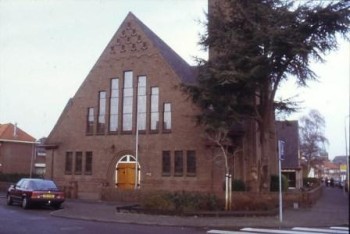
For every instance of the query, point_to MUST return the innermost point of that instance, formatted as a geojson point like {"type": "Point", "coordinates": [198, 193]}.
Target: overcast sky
{"type": "Point", "coordinates": [47, 48]}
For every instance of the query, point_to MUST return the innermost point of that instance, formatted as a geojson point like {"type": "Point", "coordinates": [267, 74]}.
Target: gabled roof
{"type": "Point", "coordinates": [10, 132]}
{"type": "Point", "coordinates": [287, 131]}
{"type": "Point", "coordinates": [123, 41]}
{"type": "Point", "coordinates": [330, 165]}
{"type": "Point", "coordinates": [179, 65]}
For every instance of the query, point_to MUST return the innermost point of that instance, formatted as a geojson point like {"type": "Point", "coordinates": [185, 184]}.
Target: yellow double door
{"type": "Point", "coordinates": [126, 175]}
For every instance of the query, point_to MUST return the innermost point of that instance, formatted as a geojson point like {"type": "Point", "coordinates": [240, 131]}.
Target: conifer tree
{"type": "Point", "coordinates": [253, 47]}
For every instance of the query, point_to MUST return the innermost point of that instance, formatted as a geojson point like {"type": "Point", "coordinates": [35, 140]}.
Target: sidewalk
{"type": "Point", "coordinates": [331, 210]}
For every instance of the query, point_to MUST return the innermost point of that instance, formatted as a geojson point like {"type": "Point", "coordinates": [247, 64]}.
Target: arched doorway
{"type": "Point", "coordinates": [125, 176]}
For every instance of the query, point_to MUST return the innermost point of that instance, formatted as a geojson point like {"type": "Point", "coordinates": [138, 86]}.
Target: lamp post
{"type": "Point", "coordinates": [280, 158]}
{"type": "Point", "coordinates": [346, 151]}
{"type": "Point", "coordinates": [137, 151]}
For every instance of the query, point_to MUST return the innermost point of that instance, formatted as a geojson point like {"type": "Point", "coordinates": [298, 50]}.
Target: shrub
{"type": "Point", "coordinates": [180, 202]}
{"type": "Point", "coordinates": [157, 202]}
{"type": "Point", "coordinates": [310, 182]}
{"type": "Point", "coordinates": [274, 186]}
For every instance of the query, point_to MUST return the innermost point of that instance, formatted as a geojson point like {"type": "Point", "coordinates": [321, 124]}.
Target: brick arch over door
{"type": "Point", "coordinates": [121, 171]}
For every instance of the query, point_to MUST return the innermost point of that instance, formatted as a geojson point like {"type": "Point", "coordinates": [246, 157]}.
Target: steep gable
{"type": "Point", "coordinates": [10, 132]}
{"type": "Point", "coordinates": [133, 47]}
{"type": "Point", "coordinates": [133, 38]}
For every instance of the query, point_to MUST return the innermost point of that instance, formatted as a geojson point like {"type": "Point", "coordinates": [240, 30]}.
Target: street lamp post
{"type": "Point", "coordinates": [346, 151]}
{"type": "Point", "coordinates": [280, 158]}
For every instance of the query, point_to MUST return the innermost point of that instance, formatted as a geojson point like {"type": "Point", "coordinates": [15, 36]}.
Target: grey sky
{"type": "Point", "coordinates": [47, 48]}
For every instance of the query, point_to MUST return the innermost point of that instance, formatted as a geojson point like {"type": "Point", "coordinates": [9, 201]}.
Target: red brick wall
{"type": "Point", "coordinates": [15, 157]}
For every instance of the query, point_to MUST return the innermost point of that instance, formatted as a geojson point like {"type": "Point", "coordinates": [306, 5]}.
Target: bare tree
{"type": "Point", "coordinates": [312, 139]}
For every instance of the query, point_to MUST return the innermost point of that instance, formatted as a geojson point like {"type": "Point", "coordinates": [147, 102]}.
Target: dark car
{"type": "Point", "coordinates": [29, 191]}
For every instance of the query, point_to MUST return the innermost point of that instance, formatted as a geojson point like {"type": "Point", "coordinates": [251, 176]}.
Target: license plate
{"type": "Point", "coordinates": [48, 196]}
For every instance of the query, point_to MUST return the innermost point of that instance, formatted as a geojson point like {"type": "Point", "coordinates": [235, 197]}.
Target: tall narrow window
{"type": "Point", "coordinates": [127, 101]}
{"type": "Point", "coordinates": [69, 163]}
{"type": "Point", "coordinates": [78, 166]}
{"type": "Point", "coordinates": [88, 163]}
{"type": "Point", "coordinates": [166, 163]}
{"type": "Point", "coordinates": [167, 117]}
{"type": "Point", "coordinates": [154, 108]}
{"type": "Point", "coordinates": [90, 121]}
{"type": "Point", "coordinates": [114, 105]}
{"type": "Point", "coordinates": [179, 164]}
{"type": "Point", "coordinates": [191, 163]}
{"type": "Point", "coordinates": [141, 103]}
{"type": "Point", "coordinates": [101, 113]}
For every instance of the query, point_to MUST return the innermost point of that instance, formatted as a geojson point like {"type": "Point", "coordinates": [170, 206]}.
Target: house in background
{"type": "Point", "coordinates": [16, 150]}
{"type": "Point", "coordinates": [40, 158]}
{"type": "Point", "coordinates": [331, 170]}
{"type": "Point", "coordinates": [342, 162]}
{"type": "Point", "coordinates": [288, 131]}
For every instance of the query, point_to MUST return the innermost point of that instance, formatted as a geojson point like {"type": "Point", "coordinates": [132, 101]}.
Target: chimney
{"type": "Point", "coordinates": [15, 130]}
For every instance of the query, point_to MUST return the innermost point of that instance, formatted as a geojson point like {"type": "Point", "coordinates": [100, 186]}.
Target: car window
{"type": "Point", "coordinates": [19, 183]}
{"type": "Point", "coordinates": [30, 185]}
{"type": "Point", "coordinates": [24, 184]}
{"type": "Point", "coordinates": [45, 185]}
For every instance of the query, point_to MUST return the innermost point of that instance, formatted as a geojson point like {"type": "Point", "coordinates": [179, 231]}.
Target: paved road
{"type": "Point", "coordinates": [331, 210]}
{"type": "Point", "coordinates": [14, 219]}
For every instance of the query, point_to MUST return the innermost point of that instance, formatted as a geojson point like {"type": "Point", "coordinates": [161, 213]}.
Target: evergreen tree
{"type": "Point", "coordinates": [253, 46]}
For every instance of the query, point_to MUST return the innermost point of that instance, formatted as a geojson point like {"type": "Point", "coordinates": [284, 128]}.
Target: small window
{"type": "Point", "coordinates": [114, 106]}
{"type": "Point", "coordinates": [88, 163]}
{"type": "Point", "coordinates": [101, 124]}
{"type": "Point", "coordinates": [69, 163]}
{"type": "Point", "coordinates": [154, 109]}
{"type": "Point", "coordinates": [90, 121]}
{"type": "Point", "coordinates": [167, 117]}
{"type": "Point", "coordinates": [78, 163]}
{"type": "Point", "coordinates": [191, 163]}
{"type": "Point", "coordinates": [166, 163]}
{"type": "Point", "coordinates": [179, 168]}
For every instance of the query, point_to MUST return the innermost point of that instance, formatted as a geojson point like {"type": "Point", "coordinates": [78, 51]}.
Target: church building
{"type": "Point", "coordinates": [130, 126]}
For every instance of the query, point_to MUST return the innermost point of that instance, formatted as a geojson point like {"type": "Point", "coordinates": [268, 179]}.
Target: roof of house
{"type": "Point", "coordinates": [330, 165]}
{"type": "Point", "coordinates": [287, 131]}
{"type": "Point", "coordinates": [10, 132]}
{"type": "Point", "coordinates": [340, 159]}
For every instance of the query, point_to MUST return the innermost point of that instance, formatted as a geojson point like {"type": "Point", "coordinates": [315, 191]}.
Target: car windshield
{"type": "Point", "coordinates": [43, 185]}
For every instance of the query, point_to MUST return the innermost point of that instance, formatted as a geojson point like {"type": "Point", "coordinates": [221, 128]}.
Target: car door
{"type": "Point", "coordinates": [17, 190]}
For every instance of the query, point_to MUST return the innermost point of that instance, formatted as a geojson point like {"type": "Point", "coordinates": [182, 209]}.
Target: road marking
{"type": "Point", "coordinates": [340, 228]}
{"type": "Point", "coordinates": [229, 232]}
{"type": "Point", "coordinates": [321, 230]}
{"type": "Point", "coordinates": [265, 230]}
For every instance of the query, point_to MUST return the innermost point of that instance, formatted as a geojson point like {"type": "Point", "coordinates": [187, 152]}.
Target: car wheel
{"type": "Point", "coordinates": [25, 203]}
{"type": "Point", "coordinates": [9, 200]}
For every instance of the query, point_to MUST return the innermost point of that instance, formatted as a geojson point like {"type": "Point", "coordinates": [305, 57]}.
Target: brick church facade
{"type": "Point", "coordinates": [130, 126]}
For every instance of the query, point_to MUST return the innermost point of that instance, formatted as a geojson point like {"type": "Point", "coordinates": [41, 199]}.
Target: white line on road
{"type": "Point", "coordinates": [265, 230]}
{"type": "Point", "coordinates": [320, 230]}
